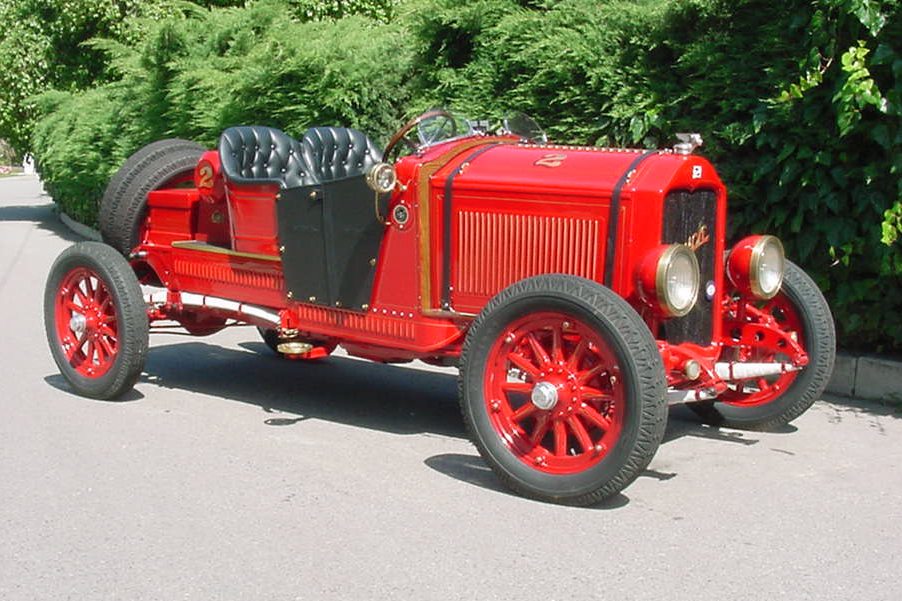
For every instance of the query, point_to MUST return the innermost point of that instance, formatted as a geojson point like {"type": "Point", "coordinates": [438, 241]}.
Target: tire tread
{"type": "Point", "coordinates": [125, 196]}
{"type": "Point", "coordinates": [605, 305]}
{"type": "Point", "coordinates": [133, 326]}
{"type": "Point", "coordinates": [810, 384]}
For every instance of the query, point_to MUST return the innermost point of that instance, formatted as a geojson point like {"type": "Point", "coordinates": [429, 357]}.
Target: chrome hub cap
{"type": "Point", "coordinates": [544, 396]}
{"type": "Point", "coordinates": [78, 323]}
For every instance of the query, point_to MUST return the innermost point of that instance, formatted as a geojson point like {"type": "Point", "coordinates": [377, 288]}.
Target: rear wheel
{"type": "Point", "coordinates": [562, 389]}
{"type": "Point", "coordinates": [96, 320]}
{"type": "Point", "coordinates": [768, 403]}
{"type": "Point", "coordinates": [163, 164]}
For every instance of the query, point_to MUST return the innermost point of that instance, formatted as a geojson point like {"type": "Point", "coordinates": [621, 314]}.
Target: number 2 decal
{"type": "Point", "coordinates": [205, 179]}
{"type": "Point", "coordinates": [696, 172]}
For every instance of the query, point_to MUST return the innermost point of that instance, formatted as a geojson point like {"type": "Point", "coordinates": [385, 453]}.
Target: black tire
{"type": "Point", "coordinates": [124, 200]}
{"type": "Point", "coordinates": [125, 310]}
{"type": "Point", "coordinates": [819, 336]}
{"type": "Point", "coordinates": [620, 329]}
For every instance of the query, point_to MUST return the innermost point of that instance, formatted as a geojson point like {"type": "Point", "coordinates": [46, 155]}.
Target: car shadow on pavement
{"type": "Point", "coordinates": [43, 216]}
{"type": "Point", "coordinates": [683, 422]}
{"type": "Point", "coordinates": [363, 394]}
{"type": "Point", "coordinates": [471, 469]}
{"type": "Point", "coordinates": [60, 383]}
{"type": "Point", "coordinates": [336, 389]}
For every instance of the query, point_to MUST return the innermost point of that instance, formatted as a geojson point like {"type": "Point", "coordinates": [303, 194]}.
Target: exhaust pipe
{"type": "Point", "coordinates": [730, 372]}
{"type": "Point", "coordinates": [741, 371]}
{"type": "Point", "coordinates": [189, 299]}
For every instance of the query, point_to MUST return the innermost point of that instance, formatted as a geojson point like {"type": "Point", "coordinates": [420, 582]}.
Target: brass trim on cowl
{"type": "Point", "coordinates": [426, 171]}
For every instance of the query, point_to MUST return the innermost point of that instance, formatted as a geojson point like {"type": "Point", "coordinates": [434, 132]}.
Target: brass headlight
{"type": "Point", "coordinates": [766, 267]}
{"type": "Point", "coordinates": [756, 265]}
{"type": "Point", "coordinates": [382, 178]}
{"type": "Point", "coordinates": [677, 278]}
{"type": "Point", "coordinates": [668, 279]}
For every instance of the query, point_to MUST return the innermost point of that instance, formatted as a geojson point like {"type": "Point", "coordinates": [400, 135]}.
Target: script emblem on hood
{"type": "Point", "coordinates": [699, 238]}
{"type": "Point", "coordinates": [551, 160]}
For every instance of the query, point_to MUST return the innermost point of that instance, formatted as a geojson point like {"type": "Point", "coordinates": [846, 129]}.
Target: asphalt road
{"type": "Point", "coordinates": [229, 474]}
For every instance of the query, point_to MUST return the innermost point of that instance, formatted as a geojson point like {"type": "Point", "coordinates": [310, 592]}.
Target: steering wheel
{"type": "Point", "coordinates": [399, 136]}
{"type": "Point", "coordinates": [442, 127]}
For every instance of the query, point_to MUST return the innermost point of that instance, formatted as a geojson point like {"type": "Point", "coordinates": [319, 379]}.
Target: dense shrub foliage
{"type": "Point", "coordinates": [44, 43]}
{"type": "Point", "coordinates": [194, 75]}
{"type": "Point", "coordinates": [43, 47]}
{"type": "Point", "coordinates": [800, 102]}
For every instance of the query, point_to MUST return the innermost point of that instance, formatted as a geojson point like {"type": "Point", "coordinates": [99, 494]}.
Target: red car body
{"type": "Point", "coordinates": [438, 262]}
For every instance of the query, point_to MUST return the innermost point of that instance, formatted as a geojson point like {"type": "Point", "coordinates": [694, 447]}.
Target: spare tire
{"type": "Point", "coordinates": [162, 164]}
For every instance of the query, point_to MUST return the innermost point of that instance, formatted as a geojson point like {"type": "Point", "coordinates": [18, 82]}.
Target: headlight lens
{"type": "Point", "coordinates": [756, 265]}
{"type": "Point", "coordinates": [767, 265]}
{"type": "Point", "coordinates": [667, 279]}
{"type": "Point", "coordinates": [677, 280]}
{"type": "Point", "coordinates": [382, 178]}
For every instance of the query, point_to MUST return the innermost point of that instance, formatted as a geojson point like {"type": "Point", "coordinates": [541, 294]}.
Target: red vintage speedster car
{"type": "Point", "coordinates": [580, 290]}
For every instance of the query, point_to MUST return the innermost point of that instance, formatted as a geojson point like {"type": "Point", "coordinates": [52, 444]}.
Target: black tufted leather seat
{"type": "Point", "coordinates": [254, 154]}
{"type": "Point", "coordinates": [338, 152]}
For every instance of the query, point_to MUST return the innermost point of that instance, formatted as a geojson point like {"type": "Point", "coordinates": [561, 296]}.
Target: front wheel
{"type": "Point", "coordinates": [562, 389]}
{"type": "Point", "coordinates": [769, 403]}
{"type": "Point", "coordinates": [96, 320]}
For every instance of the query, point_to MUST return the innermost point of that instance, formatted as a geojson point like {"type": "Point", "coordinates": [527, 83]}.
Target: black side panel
{"type": "Point", "coordinates": [301, 235]}
{"type": "Point", "coordinates": [331, 238]}
{"type": "Point", "coordinates": [685, 214]}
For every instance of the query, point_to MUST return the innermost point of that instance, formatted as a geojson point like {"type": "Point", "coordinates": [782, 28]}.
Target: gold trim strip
{"type": "Point", "coordinates": [427, 170]}
{"type": "Point", "coordinates": [210, 248]}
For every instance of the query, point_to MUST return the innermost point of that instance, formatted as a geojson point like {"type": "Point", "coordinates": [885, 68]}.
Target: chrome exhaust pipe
{"type": "Point", "coordinates": [189, 299]}
{"type": "Point", "coordinates": [741, 371]}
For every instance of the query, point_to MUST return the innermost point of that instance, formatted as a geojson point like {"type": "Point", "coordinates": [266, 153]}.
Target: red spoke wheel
{"type": "Point", "coordinates": [562, 389]}
{"type": "Point", "coordinates": [768, 403]}
{"type": "Point", "coordinates": [553, 393]}
{"type": "Point", "coordinates": [96, 320]}
{"type": "Point", "coordinates": [760, 391]}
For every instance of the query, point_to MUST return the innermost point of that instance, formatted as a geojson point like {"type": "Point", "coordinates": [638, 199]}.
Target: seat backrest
{"type": "Point", "coordinates": [338, 152]}
{"type": "Point", "coordinates": [255, 154]}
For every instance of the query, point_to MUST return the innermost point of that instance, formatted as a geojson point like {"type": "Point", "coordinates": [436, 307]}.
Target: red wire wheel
{"type": "Point", "coordinates": [96, 320]}
{"type": "Point", "coordinates": [562, 389]}
{"type": "Point", "coordinates": [552, 393]}
{"type": "Point", "coordinates": [86, 324]}
{"type": "Point", "coordinates": [771, 403]}
{"type": "Point", "coordinates": [759, 391]}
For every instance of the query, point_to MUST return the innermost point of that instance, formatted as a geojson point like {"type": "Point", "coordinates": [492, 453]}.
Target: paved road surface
{"type": "Point", "coordinates": [229, 474]}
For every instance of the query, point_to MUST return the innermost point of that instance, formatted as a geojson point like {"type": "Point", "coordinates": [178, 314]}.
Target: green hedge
{"type": "Point", "coordinates": [197, 74]}
{"type": "Point", "coordinates": [800, 103]}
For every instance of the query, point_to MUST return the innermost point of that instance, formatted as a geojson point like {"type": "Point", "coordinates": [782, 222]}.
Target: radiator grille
{"type": "Point", "coordinates": [685, 214]}
{"type": "Point", "coordinates": [495, 250]}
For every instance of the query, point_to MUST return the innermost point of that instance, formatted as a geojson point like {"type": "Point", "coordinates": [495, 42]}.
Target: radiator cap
{"type": "Point", "coordinates": [688, 143]}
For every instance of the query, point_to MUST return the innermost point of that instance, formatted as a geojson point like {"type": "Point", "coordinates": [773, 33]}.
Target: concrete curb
{"type": "Point", "coordinates": [80, 228]}
{"type": "Point", "coordinates": [864, 377]}
{"type": "Point", "coordinates": [871, 378]}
